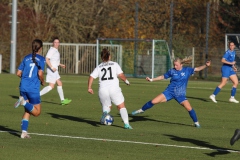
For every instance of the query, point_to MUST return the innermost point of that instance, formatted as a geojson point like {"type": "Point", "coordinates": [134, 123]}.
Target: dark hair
{"type": "Point", "coordinates": [36, 45]}
{"type": "Point", "coordinates": [105, 54]}
{"type": "Point", "coordinates": [54, 38]}
{"type": "Point", "coordinates": [230, 42]}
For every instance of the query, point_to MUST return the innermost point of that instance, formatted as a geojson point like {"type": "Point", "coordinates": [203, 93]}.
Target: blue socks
{"type": "Point", "coordinates": [193, 115]}
{"type": "Point", "coordinates": [148, 105]}
{"type": "Point", "coordinates": [24, 125]}
{"type": "Point", "coordinates": [217, 90]}
{"type": "Point", "coordinates": [233, 92]}
{"type": "Point", "coordinates": [29, 107]}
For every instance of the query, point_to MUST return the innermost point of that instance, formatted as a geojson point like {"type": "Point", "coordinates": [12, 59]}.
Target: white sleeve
{"type": "Point", "coordinates": [118, 69]}
{"type": "Point", "coordinates": [49, 53]}
{"type": "Point", "coordinates": [94, 74]}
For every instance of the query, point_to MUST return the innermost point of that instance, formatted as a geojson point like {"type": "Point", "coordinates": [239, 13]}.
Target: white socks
{"type": "Point", "coordinates": [106, 109]}
{"type": "Point", "coordinates": [45, 90]}
{"type": "Point", "coordinates": [124, 115]}
{"type": "Point", "coordinates": [60, 92]}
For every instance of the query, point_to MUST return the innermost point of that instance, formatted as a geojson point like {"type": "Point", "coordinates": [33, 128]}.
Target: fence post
{"type": "Point", "coordinates": [77, 59]}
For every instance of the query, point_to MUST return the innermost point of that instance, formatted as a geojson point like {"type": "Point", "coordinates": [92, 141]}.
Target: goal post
{"type": "Point", "coordinates": [137, 57]}
{"type": "Point", "coordinates": [235, 38]}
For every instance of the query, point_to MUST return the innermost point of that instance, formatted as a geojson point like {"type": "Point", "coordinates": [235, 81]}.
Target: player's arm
{"type": "Point", "coordinates": [62, 65]}
{"type": "Point", "coordinates": [159, 78]}
{"type": "Point", "coordinates": [90, 81]}
{"type": "Point", "coordinates": [226, 62]}
{"type": "Point", "coordinates": [208, 63]}
{"type": "Point", "coordinates": [123, 77]}
{"type": "Point", "coordinates": [41, 76]}
{"type": "Point", "coordinates": [49, 64]}
{"type": "Point", "coordinates": [19, 73]}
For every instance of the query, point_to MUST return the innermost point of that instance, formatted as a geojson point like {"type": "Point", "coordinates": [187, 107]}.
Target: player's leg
{"type": "Point", "coordinates": [50, 78]}
{"type": "Point", "coordinates": [234, 79]}
{"type": "Point", "coordinates": [24, 125]}
{"type": "Point", "coordinates": [163, 97]}
{"type": "Point", "coordinates": [31, 102]}
{"type": "Point", "coordinates": [225, 75]}
{"type": "Point", "coordinates": [105, 100]}
{"type": "Point", "coordinates": [185, 103]}
{"type": "Point", "coordinates": [118, 99]}
{"type": "Point", "coordinates": [64, 101]}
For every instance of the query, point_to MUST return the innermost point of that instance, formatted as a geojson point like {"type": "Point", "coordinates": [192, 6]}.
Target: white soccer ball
{"type": "Point", "coordinates": [108, 120]}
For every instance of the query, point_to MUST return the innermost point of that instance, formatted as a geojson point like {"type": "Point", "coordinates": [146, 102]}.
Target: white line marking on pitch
{"type": "Point", "coordinates": [123, 141]}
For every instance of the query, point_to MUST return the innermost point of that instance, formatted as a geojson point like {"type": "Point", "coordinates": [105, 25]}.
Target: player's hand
{"type": "Point", "coordinates": [127, 82]}
{"type": "Point", "coordinates": [42, 83]}
{"type": "Point", "coordinates": [90, 90]}
{"type": "Point", "coordinates": [62, 65]}
{"type": "Point", "coordinates": [208, 63]}
{"type": "Point", "coordinates": [148, 79]}
{"type": "Point", "coordinates": [53, 69]}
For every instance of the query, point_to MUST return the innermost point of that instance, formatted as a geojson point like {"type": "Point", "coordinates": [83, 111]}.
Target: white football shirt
{"type": "Point", "coordinates": [107, 72]}
{"type": "Point", "coordinates": [54, 57]}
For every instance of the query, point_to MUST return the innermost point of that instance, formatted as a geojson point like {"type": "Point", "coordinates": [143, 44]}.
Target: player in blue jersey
{"type": "Point", "coordinates": [228, 71]}
{"type": "Point", "coordinates": [31, 73]}
{"type": "Point", "coordinates": [177, 88]}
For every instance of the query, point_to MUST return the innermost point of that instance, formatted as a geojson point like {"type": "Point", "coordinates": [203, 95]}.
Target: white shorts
{"type": "Point", "coordinates": [110, 95]}
{"type": "Point", "coordinates": [52, 77]}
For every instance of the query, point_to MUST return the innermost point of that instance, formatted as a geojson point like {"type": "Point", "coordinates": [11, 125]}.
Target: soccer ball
{"type": "Point", "coordinates": [108, 120]}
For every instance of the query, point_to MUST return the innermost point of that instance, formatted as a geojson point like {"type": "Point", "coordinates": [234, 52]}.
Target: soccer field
{"type": "Point", "coordinates": [164, 132]}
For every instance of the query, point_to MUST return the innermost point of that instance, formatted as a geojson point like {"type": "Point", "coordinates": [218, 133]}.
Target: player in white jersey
{"type": "Point", "coordinates": [53, 61]}
{"type": "Point", "coordinates": [177, 88]}
{"type": "Point", "coordinates": [109, 92]}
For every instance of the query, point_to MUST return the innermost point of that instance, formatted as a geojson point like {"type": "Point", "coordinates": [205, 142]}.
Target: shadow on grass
{"type": "Point", "coordinates": [207, 99]}
{"type": "Point", "coordinates": [145, 118]}
{"type": "Point", "coordinates": [14, 97]}
{"type": "Point", "coordinates": [218, 150]}
{"type": "Point", "coordinates": [77, 119]}
{"type": "Point", "coordinates": [11, 131]}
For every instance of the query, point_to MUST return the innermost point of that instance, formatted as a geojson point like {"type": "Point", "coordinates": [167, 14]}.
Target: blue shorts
{"type": "Point", "coordinates": [33, 98]}
{"type": "Point", "coordinates": [170, 95]}
{"type": "Point", "coordinates": [227, 71]}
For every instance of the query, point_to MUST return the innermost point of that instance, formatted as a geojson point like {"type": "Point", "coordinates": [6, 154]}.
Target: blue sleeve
{"type": "Point", "coordinates": [190, 71]}
{"type": "Point", "coordinates": [22, 64]}
{"type": "Point", "coordinates": [168, 74]}
{"type": "Point", "coordinates": [225, 56]}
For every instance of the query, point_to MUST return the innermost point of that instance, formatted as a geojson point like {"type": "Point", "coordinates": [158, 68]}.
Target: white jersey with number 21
{"type": "Point", "coordinates": [107, 72]}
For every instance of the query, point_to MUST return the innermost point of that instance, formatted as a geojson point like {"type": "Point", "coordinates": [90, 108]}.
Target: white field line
{"type": "Point", "coordinates": [123, 141]}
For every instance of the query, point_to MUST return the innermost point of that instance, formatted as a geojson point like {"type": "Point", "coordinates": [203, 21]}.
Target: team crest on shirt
{"type": "Point", "coordinates": [182, 74]}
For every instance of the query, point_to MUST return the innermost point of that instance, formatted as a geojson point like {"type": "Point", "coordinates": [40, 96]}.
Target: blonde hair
{"type": "Point", "coordinates": [186, 60]}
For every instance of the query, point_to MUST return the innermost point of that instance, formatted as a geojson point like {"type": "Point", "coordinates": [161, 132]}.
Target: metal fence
{"type": "Point", "coordinates": [78, 58]}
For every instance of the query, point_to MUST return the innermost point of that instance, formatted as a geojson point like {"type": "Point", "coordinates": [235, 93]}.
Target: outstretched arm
{"type": "Point", "coordinates": [159, 78]}
{"type": "Point", "coordinates": [208, 63]}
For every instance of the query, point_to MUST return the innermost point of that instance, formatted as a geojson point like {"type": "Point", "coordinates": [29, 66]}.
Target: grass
{"type": "Point", "coordinates": [164, 132]}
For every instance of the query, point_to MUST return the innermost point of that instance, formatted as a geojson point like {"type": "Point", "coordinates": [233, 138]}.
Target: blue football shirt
{"type": "Point", "coordinates": [29, 80]}
{"type": "Point", "coordinates": [179, 80]}
{"type": "Point", "coordinates": [229, 56]}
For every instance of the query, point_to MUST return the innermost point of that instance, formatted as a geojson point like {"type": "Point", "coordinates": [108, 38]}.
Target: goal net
{"type": "Point", "coordinates": [137, 57]}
